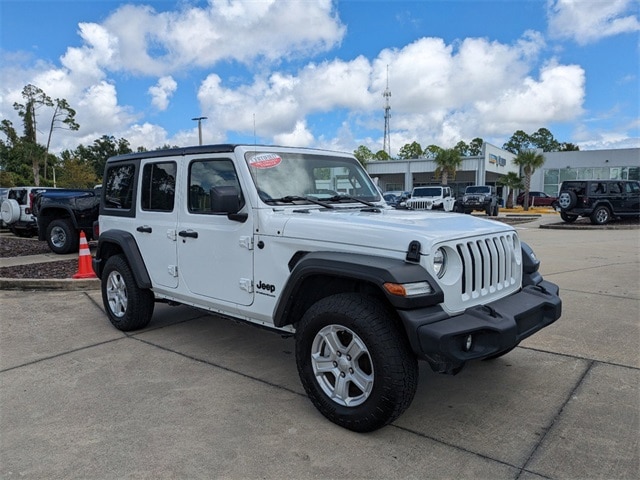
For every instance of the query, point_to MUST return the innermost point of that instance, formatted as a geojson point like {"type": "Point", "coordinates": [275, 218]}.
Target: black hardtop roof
{"type": "Point", "coordinates": [172, 152]}
{"type": "Point", "coordinates": [197, 149]}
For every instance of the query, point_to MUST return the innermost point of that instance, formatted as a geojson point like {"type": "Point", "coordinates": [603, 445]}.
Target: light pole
{"type": "Point", "coordinates": [199, 120]}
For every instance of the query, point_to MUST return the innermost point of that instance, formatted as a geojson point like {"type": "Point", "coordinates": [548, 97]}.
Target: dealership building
{"type": "Point", "coordinates": [494, 162]}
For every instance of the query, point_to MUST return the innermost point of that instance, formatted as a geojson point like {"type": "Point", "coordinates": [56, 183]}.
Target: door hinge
{"type": "Point", "coordinates": [171, 234]}
{"type": "Point", "coordinates": [246, 242]}
{"type": "Point", "coordinates": [246, 284]}
{"type": "Point", "coordinates": [173, 270]}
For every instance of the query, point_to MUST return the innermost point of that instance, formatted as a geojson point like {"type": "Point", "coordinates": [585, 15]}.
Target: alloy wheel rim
{"type": "Point", "coordinates": [342, 365]}
{"type": "Point", "coordinates": [117, 294]}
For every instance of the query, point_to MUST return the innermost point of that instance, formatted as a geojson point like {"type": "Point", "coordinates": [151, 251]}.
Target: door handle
{"type": "Point", "coordinates": [188, 233]}
{"type": "Point", "coordinates": [144, 229]}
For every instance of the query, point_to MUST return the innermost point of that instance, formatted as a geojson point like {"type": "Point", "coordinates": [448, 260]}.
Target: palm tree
{"type": "Point", "coordinates": [511, 181]}
{"type": "Point", "coordinates": [528, 160]}
{"type": "Point", "coordinates": [448, 162]}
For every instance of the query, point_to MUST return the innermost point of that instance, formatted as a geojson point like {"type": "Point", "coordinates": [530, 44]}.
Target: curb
{"type": "Point", "coordinates": [68, 284]}
{"type": "Point", "coordinates": [573, 226]}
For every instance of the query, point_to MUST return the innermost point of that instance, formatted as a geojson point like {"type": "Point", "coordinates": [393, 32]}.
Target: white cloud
{"type": "Point", "coordinates": [155, 43]}
{"type": "Point", "coordinates": [162, 92]}
{"type": "Point", "coordinates": [587, 21]}
{"type": "Point", "coordinates": [299, 137]}
{"type": "Point", "coordinates": [440, 93]}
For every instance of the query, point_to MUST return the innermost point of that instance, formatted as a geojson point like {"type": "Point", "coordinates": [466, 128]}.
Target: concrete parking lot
{"type": "Point", "coordinates": [194, 396]}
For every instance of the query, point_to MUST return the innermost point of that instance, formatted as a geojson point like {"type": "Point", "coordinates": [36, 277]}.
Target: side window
{"type": "Point", "coordinates": [597, 187]}
{"type": "Point", "coordinates": [205, 175]}
{"type": "Point", "coordinates": [119, 185]}
{"type": "Point", "coordinates": [158, 186]}
{"type": "Point", "coordinates": [614, 188]}
{"type": "Point", "coordinates": [632, 187]}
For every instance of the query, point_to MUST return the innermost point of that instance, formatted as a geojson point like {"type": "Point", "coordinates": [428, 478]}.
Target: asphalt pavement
{"type": "Point", "coordinates": [194, 396]}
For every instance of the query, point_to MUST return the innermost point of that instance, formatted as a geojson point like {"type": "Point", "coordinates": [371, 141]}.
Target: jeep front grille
{"type": "Point", "coordinates": [420, 204]}
{"type": "Point", "coordinates": [489, 264]}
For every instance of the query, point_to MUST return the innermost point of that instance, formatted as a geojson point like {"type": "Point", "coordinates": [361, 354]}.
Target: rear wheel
{"type": "Point", "coordinates": [62, 237]}
{"type": "Point", "coordinates": [355, 365]}
{"type": "Point", "coordinates": [568, 218]}
{"type": "Point", "coordinates": [600, 216]}
{"type": "Point", "coordinates": [128, 306]}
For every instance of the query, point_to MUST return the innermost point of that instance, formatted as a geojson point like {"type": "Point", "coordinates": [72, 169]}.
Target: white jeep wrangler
{"type": "Point", "coordinates": [431, 198]}
{"type": "Point", "coordinates": [301, 241]}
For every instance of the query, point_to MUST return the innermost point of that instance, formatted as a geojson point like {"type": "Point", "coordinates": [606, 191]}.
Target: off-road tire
{"type": "Point", "coordinates": [600, 216]}
{"type": "Point", "coordinates": [568, 218]}
{"type": "Point", "coordinates": [10, 211]}
{"type": "Point", "coordinates": [62, 237]}
{"type": "Point", "coordinates": [567, 199]}
{"type": "Point", "coordinates": [128, 306]}
{"type": "Point", "coordinates": [328, 333]}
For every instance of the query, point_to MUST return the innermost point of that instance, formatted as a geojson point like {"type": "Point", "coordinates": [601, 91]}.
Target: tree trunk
{"type": "Point", "coordinates": [527, 187]}
{"type": "Point", "coordinates": [35, 166]}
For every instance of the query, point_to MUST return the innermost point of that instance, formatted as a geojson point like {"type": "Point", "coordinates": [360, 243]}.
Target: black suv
{"type": "Point", "coordinates": [479, 197]}
{"type": "Point", "coordinates": [600, 200]}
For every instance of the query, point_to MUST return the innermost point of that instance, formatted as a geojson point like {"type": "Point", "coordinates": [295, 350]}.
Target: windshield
{"type": "Point", "coordinates": [303, 177]}
{"type": "Point", "coordinates": [478, 190]}
{"type": "Point", "coordinates": [427, 192]}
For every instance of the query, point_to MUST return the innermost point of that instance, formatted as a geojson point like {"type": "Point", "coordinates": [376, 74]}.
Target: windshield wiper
{"type": "Point", "coordinates": [338, 198]}
{"type": "Point", "coordinates": [297, 198]}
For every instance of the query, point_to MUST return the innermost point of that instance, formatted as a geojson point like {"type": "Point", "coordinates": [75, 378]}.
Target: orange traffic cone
{"type": "Point", "coordinates": [85, 270]}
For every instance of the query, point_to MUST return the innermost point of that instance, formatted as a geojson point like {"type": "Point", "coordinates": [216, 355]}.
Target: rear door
{"type": "Point", "coordinates": [616, 196]}
{"type": "Point", "coordinates": [156, 220]}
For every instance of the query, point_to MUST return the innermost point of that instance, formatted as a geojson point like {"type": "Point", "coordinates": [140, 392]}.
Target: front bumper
{"type": "Point", "coordinates": [496, 327]}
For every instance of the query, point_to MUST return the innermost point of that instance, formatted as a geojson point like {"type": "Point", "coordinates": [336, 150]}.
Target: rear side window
{"type": "Point", "coordinates": [577, 187]}
{"type": "Point", "coordinates": [119, 186]}
{"type": "Point", "coordinates": [615, 188]}
{"type": "Point", "coordinates": [158, 186]}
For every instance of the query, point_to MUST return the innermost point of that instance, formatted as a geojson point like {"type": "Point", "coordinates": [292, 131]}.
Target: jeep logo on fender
{"type": "Point", "coordinates": [266, 287]}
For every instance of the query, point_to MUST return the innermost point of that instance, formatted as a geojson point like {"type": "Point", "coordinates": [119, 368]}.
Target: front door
{"type": "Point", "coordinates": [215, 253]}
{"type": "Point", "coordinates": [632, 197]}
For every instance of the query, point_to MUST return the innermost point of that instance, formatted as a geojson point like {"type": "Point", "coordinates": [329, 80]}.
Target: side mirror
{"type": "Point", "coordinates": [226, 200]}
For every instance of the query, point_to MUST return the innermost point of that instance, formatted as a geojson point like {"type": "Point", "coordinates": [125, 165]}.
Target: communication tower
{"type": "Point", "coordinates": [387, 115]}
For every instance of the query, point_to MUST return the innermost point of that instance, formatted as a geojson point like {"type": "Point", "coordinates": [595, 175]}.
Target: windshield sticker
{"type": "Point", "coordinates": [265, 160]}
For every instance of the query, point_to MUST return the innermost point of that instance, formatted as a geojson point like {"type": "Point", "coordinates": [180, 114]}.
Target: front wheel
{"type": "Point", "coordinates": [354, 363]}
{"type": "Point", "coordinates": [62, 237]}
{"type": "Point", "coordinates": [128, 306]}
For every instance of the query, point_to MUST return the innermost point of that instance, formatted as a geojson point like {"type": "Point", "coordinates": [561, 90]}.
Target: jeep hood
{"type": "Point", "coordinates": [387, 229]}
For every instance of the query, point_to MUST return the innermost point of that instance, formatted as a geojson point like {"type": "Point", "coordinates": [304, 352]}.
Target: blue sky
{"type": "Point", "coordinates": [312, 73]}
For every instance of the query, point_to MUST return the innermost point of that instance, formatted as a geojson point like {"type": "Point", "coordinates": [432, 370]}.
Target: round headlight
{"type": "Point", "coordinates": [439, 262]}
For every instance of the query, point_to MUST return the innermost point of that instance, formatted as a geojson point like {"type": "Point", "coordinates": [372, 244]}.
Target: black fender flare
{"type": "Point", "coordinates": [124, 242]}
{"type": "Point", "coordinates": [362, 268]}
{"type": "Point", "coordinates": [53, 213]}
